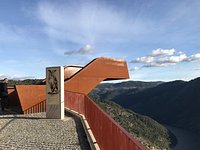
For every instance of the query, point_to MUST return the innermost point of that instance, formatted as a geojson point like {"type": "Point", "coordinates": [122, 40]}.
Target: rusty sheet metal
{"type": "Point", "coordinates": [70, 71]}
{"type": "Point", "coordinates": [30, 95]}
{"type": "Point", "coordinates": [109, 134]}
{"type": "Point", "coordinates": [105, 128]}
{"type": "Point", "coordinates": [75, 102]}
{"type": "Point", "coordinates": [40, 107]}
{"type": "Point", "coordinates": [92, 74]}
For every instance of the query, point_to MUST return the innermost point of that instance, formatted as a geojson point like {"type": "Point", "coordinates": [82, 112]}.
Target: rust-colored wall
{"type": "Point", "coordinates": [108, 134]}
{"type": "Point", "coordinates": [77, 79]}
{"type": "Point", "coordinates": [96, 71]}
{"type": "Point", "coordinates": [70, 71]}
{"type": "Point", "coordinates": [30, 95]}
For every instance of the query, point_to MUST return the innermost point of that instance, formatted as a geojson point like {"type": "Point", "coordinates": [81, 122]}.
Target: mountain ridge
{"type": "Point", "coordinates": [175, 103]}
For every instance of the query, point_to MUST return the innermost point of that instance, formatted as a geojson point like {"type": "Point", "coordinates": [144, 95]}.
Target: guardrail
{"type": "Point", "coordinates": [40, 107]}
{"type": "Point", "coordinates": [108, 134]}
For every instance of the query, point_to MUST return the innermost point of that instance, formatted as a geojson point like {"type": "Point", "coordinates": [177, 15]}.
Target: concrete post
{"type": "Point", "coordinates": [55, 92]}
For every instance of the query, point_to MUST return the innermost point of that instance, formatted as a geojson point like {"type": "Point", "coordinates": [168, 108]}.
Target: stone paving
{"type": "Point", "coordinates": [35, 132]}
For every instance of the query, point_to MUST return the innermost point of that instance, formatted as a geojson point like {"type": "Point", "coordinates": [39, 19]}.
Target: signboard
{"type": "Point", "coordinates": [55, 92]}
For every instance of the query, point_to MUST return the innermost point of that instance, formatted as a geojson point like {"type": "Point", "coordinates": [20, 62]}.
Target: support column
{"type": "Point", "coordinates": [55, 92]}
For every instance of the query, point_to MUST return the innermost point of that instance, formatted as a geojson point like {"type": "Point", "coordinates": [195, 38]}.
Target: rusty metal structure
{"type": "Point", "coordinates": [100, 69]}
{"type": "Point", "coordinates": [79, 81]}
{"type": "Point", "coordinates": [108, 134]}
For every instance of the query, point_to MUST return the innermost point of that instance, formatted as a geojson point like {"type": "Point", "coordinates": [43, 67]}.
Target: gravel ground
{"type": "Point", "coordinates": [35, 132]}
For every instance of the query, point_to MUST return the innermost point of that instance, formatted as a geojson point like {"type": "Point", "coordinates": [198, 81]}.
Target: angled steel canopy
{"type": "Point", "coordinates": [83, 80]}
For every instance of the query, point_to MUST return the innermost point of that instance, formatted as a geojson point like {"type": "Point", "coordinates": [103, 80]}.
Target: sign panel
{"type": "Point", "coordinates": [55, 92]}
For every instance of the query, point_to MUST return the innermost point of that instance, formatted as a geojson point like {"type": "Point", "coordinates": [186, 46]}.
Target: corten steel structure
{"type": "Point", "coordinates": [79, 81]}
{"type": "Point", "coordinates": [100, 69]}
{"type": "Point", "coordinates": [32, 98]}
{"type": "Point", "coordinates": [108, 134]}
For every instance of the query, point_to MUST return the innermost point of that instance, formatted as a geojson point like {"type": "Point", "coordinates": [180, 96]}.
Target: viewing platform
{"type": "Point", "coordinates": [34, 131]}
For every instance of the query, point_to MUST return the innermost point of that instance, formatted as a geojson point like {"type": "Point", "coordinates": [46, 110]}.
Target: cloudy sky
{"type": "Point", "coordinates": [160, 40]}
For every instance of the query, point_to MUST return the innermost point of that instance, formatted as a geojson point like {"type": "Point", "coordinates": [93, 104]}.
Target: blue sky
{"type": "Point", "coordinates": [158, 39]}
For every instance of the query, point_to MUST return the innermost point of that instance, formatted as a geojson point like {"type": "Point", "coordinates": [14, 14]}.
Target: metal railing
{"type": "Point", "coordinates": [40, 107]}
{"type": "Point", "coordinates": [108, 134]}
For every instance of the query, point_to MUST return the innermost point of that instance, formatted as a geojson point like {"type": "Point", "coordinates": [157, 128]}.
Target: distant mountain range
{"type": "Point", "coordinates": [25, 82]}
{"type": "Point", "coordinates": [110, 91]}
{"type": "Point", "coordinates": [175, 103]}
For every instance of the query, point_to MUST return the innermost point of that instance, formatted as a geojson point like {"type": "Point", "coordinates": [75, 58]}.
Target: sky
{"type": "Point", "coordinates": [160, 40]}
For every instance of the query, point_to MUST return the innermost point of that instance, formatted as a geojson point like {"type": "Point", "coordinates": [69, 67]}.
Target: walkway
{"type": "Point", "coordinates": [35, 132]}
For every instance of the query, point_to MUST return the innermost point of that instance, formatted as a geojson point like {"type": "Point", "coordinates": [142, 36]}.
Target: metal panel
{"type": "Point", "coordinates": [30, 95]}
{"type": "Point", "coordinates": [92, 74]}
{"type": "Point", "coordinates": [70, 71]}
{"type": "Point", "coordinates": [109, 134]}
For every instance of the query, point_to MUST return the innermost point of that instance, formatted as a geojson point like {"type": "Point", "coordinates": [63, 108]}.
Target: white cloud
{"type": "Point", "coordinates": [12, 34]}
{"type": "Point", "coordinates": [194, 57]}
{"type": "Point", "coordinates": [164, 58]}
{"type": "Point", "coordinates": [162, 52]}
{"type": "Point", "coordinates": [157, 64]}
{"type": "Point", "coordinates": [87, 49]}
{"type": "Point", "coordinates": [82, 22]}
{"type": "Point", "coordinates": [135, 68]}
{"type": "Point", "coordinates": [144, 59]}
{"type": "Point", "coordinates": [16, 77]}
{"type": "Point", "coordinates": [177, 59]}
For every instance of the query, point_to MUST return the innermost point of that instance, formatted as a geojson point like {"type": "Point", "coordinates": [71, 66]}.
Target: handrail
{"type": "Point", "coordinates": [40, 107]}
{"type": "Point", "coordinates": [108, 133]}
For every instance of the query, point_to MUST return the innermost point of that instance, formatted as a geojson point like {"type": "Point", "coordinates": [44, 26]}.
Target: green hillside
{"type": "Point", "coordinates": [145, 129]}
{"type": "Point", "coordinates": [25, 82]}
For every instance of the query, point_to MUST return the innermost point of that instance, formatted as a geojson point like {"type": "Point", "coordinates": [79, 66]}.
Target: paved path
{"type": "Point", "coordinates": [35, 132]}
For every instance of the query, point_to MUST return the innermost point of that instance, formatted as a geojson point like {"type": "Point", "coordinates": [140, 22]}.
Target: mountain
{"type": "Point", "coordinates": [25, 82]}
{"type": "Point", "coordinates": [149, 132]}
{"type": "Point", "coordinates": [174, 103]}
{"type": "Point", "coordinates": [108, 91]}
